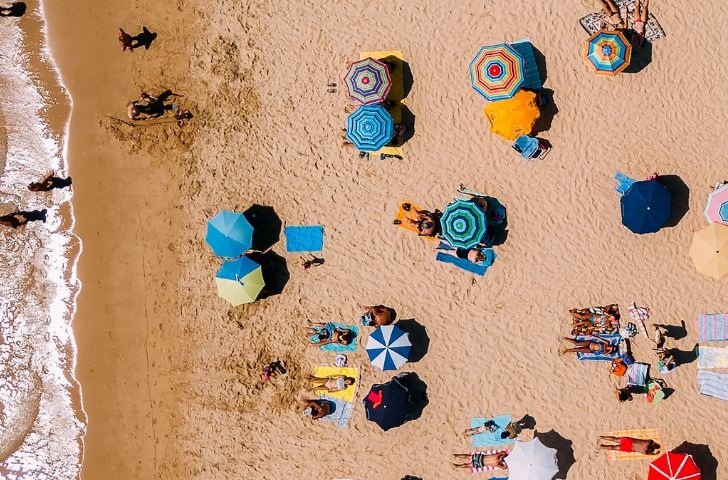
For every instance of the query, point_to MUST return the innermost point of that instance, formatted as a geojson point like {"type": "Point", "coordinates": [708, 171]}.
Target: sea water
{"type": "Point", "coordinates": [41, 417]}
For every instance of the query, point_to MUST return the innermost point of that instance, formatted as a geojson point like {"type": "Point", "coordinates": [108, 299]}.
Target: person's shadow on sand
{"type": "Point", "coordinates": [16, 9]}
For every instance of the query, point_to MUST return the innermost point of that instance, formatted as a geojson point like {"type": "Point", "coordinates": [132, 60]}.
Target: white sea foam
{"type": "Point", "coordinates": [41, 419]}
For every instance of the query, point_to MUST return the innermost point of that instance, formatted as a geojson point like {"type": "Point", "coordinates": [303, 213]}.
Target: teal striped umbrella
{"type": "Point", "coordinates": [608, 52]}
{"type": "Point", "coordinates": [463, 224]}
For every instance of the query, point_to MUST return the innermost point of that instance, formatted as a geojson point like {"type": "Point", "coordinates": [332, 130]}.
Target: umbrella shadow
{"type": "Point", "coordinates": [549, 110]}
{"type": "Point", "coordinates": [641, 57]}
{"type": "Point", "coordinates": [408, 120]}
{"type": "Point", "coordinates": [418, 392]}
{"type": "Point", "coordinates": [499, 232]}
{"type": "Point", "coordinates": [704, 459]}
{"type": "Point", "coordinates": [564, 450]}
{"type": "Point", "coordinates": [266, 226]}
{"type": "Point", "coordinates": [398, 91]}
{"type": "Point", "coordinates": [674, 331]}
{"type": "Point", "coordinates": [527, 422]}
{"type": "Point", "coordinates": [418, 337]}
{"type": "Point", "coordinates": [680, 193]}
{"type": "Point", "coordinates": [540, 63]}
{"type": "Point", "coordinates": [275, 273]}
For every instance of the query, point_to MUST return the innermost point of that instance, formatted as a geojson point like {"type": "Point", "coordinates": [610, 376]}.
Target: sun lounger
{"type": "Point", "coordinates": [642, 434]}
{"type": "Point", "coordinates": [338, 348]}
{"type": "Point", "coordinates": [712, 357]}
{"type": "Point", "coordinates": [346, 395]}
{"type": "Point", "coordinates": [304, 238]}
{"type": "Point", "coordinates": [593, 22]}
{"type": "Point", "coordinates": [713, 384]}
{"type": "Point", "coordinates": [465, 264]}
{"type": "Point", "coordinates": [599, 357]}
{"type": "Point", "coordinates": [713, 327]}
{"type": "Point", "coordinates": [341, 411]}
{"type": "Point", "coordinates": [491, 439]}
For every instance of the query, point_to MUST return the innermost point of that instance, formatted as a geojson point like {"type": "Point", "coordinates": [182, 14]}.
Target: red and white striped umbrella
{"type": "Point", "coordinates": [674, 466]}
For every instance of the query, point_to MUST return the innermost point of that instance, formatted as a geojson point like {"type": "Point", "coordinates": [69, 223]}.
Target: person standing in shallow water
{"type": "Point", "coordinates": [20, 218]}
{"type": "Point", "coordinates": [50, 182]}
{"type": "Point", "coordinates": [16, 9]}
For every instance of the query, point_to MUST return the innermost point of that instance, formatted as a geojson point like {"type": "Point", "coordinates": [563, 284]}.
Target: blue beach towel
{"type": "Point", "coordinates": [341, 411]}
{"type": "Point", "coordinates": [713, 327]}
{"type": "Point", "coordinates": [595, 357]}
{"type": "Point", "coordinates": [491, 439]}
{"type": "Point", "coordinates": [304, 238]}
{"type": "Point", "coordinates": [338, 348]}
{"type": "Point", "coordinates": [713, 384]}
{"type": "Point", "coordinates": [623, 182]}
{"type": "Point", "coordinates": [465, 264]}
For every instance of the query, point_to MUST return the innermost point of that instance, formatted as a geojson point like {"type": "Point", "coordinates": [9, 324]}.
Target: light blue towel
{"type": "Point", "coordinates": [623, 182]}
{"type": "Point", "coordinates": [491, 439]}
{"type": "Point", "coordinates": [336, 347]}
{"type": "Point", "coordinates": [712, 357]}
{"type": "Point", "coordinates": [341, 413]}
{"type": "Point", "coordinates": [304, 238]}
{"type": "Point", "coordinates": [465, 264]}
{"type": "Point", "coordinates": [713, 384]}
{"type": "Point", "coordinates": [594, 357]}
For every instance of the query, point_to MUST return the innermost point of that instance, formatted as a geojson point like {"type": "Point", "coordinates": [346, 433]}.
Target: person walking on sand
{"type": "Point", "coordinates": [49, 183]}
{"type": "Point", "coordinates": [143, 39]}
{"type": "Point", "coordinates": [20, 218]}
{"type": "Point", "coordinates": [629, 445]}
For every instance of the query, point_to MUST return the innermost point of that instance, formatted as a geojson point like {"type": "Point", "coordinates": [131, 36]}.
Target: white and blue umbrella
{"type": "Point", "coordinates": [388, 347]}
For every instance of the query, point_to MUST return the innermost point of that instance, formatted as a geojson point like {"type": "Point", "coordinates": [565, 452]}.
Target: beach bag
{"type": "Point", "coordinates": [618, 368]}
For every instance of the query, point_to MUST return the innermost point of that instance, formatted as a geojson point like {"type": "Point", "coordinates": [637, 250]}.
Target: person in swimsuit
{"type": "Point", "coordinates": [330, 384]}
{"type": "Point", "coordinates": [638, 24]}
{"type": "Point", "coordinates": [597, 346]}
{"type": "Point", "coordinates": [377, 316]}
{"type": "Point", "coordinates": [614, 18]}
{"type": "Point", "coordinates": [629, 445]}
{"type": "Point", "coordinates": [20, 218]}
{"type": "Point", "coordinates": [489, 426]}
{"type": "Point", "coordinates": [512, 430]}
{"type": "Point", "coordinates": [316, 409]}
{"type": "Point", "coordinates": [325, 333]}
{"type": "Point", "coordinates": [482, 460]}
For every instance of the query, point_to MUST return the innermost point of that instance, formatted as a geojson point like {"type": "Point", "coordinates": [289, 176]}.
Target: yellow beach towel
{"type": "Point", "coordinates": [346, 395]}
{"type": "Point", "coordinates": [642, 434]}
{"type": "Point", "coordinates": [396, 93]}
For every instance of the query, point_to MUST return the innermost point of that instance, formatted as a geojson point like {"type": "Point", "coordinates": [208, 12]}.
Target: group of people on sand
{"type": "Point", "coordinates": [19, 218]}
{"type": "Point", "coordinates": [490, 459]}
{"type": "Point", "coordinates": [614, 20]}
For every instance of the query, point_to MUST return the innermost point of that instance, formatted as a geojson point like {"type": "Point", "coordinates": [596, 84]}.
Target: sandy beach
{"type": "Point", "coordinates": [170, 373]}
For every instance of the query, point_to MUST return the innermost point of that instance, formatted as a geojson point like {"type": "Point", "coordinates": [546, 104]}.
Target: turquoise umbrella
{"type": "Point", "coordinates": [463, 224]}
{"type": "Point", "coordinates": [229, 234]}
{"type": "Point", "coordinates": [370, 128]}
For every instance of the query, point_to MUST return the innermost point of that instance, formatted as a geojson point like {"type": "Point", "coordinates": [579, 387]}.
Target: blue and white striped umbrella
{"type": "Point", "coordinates": [370, 128]}
{"type": "Point", "coordinates": [388, 347]}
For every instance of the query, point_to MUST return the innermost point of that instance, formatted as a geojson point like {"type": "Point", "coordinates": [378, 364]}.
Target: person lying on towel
{"type": "Point", "coordinates": [488, 460]}
{"type": "Point", "coordinates": [325, 333]}
{"type": "Point", "coordinates": [629, 445]}
{"type": "Point", "coordinates": [597, 346]}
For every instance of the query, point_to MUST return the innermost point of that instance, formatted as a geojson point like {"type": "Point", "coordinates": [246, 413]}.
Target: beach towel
{"type": "Point", "coordinates": [637, 375]}
{"type": "Point", "coordinates": [599, 357]}
{"type": "Point", "coordinates": [403, 216]}
{"type": "Point", "coordinates": [487, 468]}
{"type": "Point", "coordinates": [623, 182]}
{"type": "Point", "coordinates": [465, 264]}
{"type": "Point", "coordinates": [304, 238]}
{"type": "Point", "coordinates": [640, 315]}
{"type": "Point", "coordinates": [642, 434]}
{"type": "Point", "coordinates": [491, 439]}
{"type": "Point", "coordinates": [341, 411]}
{"type": "Point", "coordinates": [713, 384]}
{"type": "Point", "coordinates": [712, 357]}
{"type": "Point", "coordinates": [593, 22]}
{"type": "Point", "coordinates": [346, 395]}
{"type": "Point", "coordinates": [336, 347]}
{"type": "Point", "coordinates": [713, 327]}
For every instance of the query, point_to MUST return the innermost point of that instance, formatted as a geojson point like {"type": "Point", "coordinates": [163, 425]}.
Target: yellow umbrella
{"type": "Point", "coordinates": [709, 250]}
{"type": "Point", "coordinates": [513, 117]}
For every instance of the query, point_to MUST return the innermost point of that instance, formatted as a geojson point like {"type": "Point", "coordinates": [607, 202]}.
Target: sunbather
{"type": "Point", "coordinates": [316, 409]}
{"type": "Point", "coordinates": [326, 333]}
{"type": "Point", "coordinates": [614, 18]}
{"type": "Point", "coordinates": [629, 445]}
{"type": "Point", "coordinates": [513, 430]}
{"type": "Point", "coordinates": [596, 345]}
{"type": "Point", "coordinates": [659, 336]}
{"type": "Point", "coordinates": [428, 223]}
{"type": "Point", "coordinates": [489, 426]}
{"type": "Point", "coordinates": [638, 24]}
{"type": "Point", "coordinates": [331, 384]}
{"type": "Point", "coordinates": [667, 360]}
{"type": "Point", "coordinates": [480, 460]}
{"type": "Point", "coordinates": [378, 316]}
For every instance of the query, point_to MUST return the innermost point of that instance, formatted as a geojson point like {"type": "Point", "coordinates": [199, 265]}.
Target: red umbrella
{"type": "Point", "coordinates": [674, 466]}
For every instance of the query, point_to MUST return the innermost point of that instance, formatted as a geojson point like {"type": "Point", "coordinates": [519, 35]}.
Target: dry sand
{"type": "Point", "coordinates": [170, 372]}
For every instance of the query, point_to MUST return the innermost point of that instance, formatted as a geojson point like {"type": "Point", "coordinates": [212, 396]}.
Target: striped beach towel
{"type": "Point", "coordinates": [713, 327]}
{"type": "Point", "coordinates": [483, 468]}
{"type": "Point", "coordinates": [713, 384]}
{"type": "Point", "coordinates": [712, 357]}
{"type": "Point", "coordinates": [597, 357]}
{"type": "Point", "coordinates": [642, 434]}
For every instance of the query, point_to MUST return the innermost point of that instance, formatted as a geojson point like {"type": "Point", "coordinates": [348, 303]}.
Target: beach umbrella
{"type": "Point", "coordinates": [646, 206]}
{"type": "Point", "coordinates": [674, 466]}
{"type": "Point", "coordinates": [716, 209]}
{"type": "Point", "coordinates": [531, 460]}
{"type": "Point", "coordinates": [368, 81]}
{"type": "Point", "coordinates": [709, 250]}
{"type": "Point", "coordinates": [463, 224]}
{"type": "Point", "coordinates": [497, 72]}
{"type": "Point", "coordinates": [389, 405]}
{"type": "Point", "coordinates": [239, 281]}
{"type": "Point", "coordinates": [608, 52]}
{"type": "Point", "coordinates": [388, 347]}
{"type": "Point", "coordinates": [513, 117]}
{"type": "Point", "coordinates": [229, 234]}
{"type": "Point", "coordinates": [369, 128]}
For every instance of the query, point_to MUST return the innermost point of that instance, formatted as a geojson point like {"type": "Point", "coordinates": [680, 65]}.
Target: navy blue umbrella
{"type": "Point", "coordinates": [646, 206]}
{"type": "Point", "coordinates": [389, 405]}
